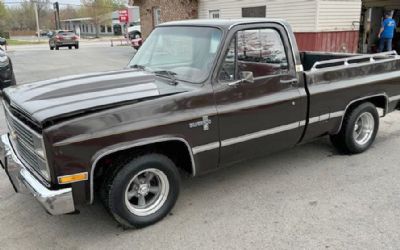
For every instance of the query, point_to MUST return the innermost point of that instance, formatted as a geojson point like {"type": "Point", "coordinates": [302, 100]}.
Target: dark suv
{"type": "Point", "coordinates": [7, 77]}
{"type": "Point", "coordinates": [63, 38]}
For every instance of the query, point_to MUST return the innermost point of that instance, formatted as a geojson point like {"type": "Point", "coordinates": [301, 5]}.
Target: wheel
{"type": "Point", "coordinates": [77, 46]}
{"type": "Point", "coordinates": [51, 48]}
{"type": "Point", "coordinates": [359, 129]}
{"type": "Point", "coordinates": [136, 36]}
{"type": "Point", "coordinates": [143, 191]}
{"type": "Point", "coordinates": [69, 47]}
{"type": "Point", "coordinates": [57, 48]}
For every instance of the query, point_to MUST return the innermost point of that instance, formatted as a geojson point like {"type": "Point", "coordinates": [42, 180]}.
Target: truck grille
{"type": "Point", "coordinates": [24, 140]}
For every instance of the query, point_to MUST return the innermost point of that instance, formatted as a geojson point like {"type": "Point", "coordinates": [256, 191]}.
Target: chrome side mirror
{"type": "Point", "coordinates": [245, 77]}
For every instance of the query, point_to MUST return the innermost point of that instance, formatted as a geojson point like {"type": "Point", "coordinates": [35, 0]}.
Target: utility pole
{"type": "Point", "coordinates": [37, 20]}
{"type": "Point", "coordinates": [56, 7]}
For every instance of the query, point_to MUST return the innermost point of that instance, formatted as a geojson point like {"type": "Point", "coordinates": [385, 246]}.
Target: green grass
{"type": "Point", "coordinates": [13, 42]}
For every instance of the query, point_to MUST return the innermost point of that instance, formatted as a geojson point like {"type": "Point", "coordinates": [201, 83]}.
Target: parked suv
{"type": "Point", "coordinates": [7, 77]}
{"type": "Point", "coordinates": [63, 38]}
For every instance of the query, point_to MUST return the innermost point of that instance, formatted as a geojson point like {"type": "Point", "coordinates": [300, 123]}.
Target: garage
{"type": "Point", "coordinates": [372, 14]}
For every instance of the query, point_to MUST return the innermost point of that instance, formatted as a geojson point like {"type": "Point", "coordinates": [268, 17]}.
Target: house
{"type": "Point", "coordinates": [107, 24]}
{"type": "Point", "coordinates": [329, 25]}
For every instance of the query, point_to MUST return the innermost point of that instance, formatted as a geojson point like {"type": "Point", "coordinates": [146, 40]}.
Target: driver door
{"type": "Point", "coordinates": [265, 115]}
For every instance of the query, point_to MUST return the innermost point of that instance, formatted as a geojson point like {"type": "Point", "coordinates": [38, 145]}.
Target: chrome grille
{"type": "Point", "coordinates": [24, 141]}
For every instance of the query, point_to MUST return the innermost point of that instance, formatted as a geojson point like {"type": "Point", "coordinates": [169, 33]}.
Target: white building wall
{"type": "Point", "coordinates": [335, 15]}
{"type": "Point", "coordinates": [303, 15]}
{"type": "Point", "coordinates": [228, 9]}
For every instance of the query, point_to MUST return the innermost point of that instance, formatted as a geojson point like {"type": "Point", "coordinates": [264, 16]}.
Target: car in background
{"type": "Point", "coordinates": [7, 77]}
{"type": "Point", "coordinates": [63, 38]}
{"type": "Point", "coordinates": [134, 30]}
{"type": "Point", "coordinates": [137, 43]}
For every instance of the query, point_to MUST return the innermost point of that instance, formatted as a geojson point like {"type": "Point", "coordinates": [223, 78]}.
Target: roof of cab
{"type": "Point", "coordinates": [222, 23]}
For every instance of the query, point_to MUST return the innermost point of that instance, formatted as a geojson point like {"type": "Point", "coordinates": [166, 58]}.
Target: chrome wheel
{"type": "Point", "coordinates": [147, 192]}
{"type": "Point", "coordinates": [364, 128]}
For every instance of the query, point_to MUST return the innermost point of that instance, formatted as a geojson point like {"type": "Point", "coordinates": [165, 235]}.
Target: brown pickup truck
{"type": "Point", "coordinates": [199, 95]}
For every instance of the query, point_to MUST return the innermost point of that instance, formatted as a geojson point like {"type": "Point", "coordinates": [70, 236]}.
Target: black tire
{"type": "Point", "coordinates": [57, 48]}
{"type": "Point", "coordinates": [51, 48]}
{"type": "Point", "coordinates": [114, 190]}
{"type": "Point", "coordinates": [13, 80]}
{"type": "Point", "coordinates": [77, 46]}
{"type": "Point", "coordinates": [69, 47]}
{"type": "Point", "coordinates": [345, 141]}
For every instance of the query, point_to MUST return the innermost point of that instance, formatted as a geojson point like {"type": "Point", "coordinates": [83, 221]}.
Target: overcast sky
{"type": "Point", "coordinates": [62, 2]}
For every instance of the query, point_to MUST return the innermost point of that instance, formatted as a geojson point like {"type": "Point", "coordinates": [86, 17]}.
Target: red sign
{"type": "Point", "coordinates": [123, 16]}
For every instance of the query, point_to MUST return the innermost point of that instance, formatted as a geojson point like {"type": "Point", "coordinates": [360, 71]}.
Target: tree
{"type": "Point", "coordinates": [4, 16]}
{"type": "Point", "coordinates": [99, 10]}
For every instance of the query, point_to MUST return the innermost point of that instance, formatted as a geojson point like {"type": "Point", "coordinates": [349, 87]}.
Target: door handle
{"type": "Point", "coordinates": [293, 82]}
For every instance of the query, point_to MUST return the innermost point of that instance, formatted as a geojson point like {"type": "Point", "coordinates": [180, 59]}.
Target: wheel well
{"type": "Point", "coordinates": [379, 101]}
{"type": "Point", "coordinates": [176, 150]}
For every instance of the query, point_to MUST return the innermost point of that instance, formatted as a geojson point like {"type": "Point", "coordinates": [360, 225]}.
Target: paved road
{"type": "Point", "coordinates": [305, 198]}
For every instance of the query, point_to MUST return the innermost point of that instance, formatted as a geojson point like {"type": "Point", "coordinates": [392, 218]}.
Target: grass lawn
{"type": "Point", "coordinates": [13, 42]}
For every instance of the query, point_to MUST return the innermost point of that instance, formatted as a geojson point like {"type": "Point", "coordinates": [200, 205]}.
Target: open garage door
{"type": "Point", "coordinates": [371, 18]}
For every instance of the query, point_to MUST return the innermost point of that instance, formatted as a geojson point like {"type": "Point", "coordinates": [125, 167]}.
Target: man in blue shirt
{"type": "Point", "coordinates": [386, 33]}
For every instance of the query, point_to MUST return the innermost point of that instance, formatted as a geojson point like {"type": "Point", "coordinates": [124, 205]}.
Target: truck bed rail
{"type": "Point", "coordinates": [354, 59]}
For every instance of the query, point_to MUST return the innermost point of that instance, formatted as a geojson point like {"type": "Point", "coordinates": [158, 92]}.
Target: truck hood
{"type": "Point", "coordinates": [62, 97]}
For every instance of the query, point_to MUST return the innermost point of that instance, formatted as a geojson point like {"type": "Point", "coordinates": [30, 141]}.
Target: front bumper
{"type": "Point", "coordinates": [54, 201]}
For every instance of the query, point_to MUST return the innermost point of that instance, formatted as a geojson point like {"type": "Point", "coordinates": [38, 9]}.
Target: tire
{"type": "Point", "coordinates": [127, 182]}
{"type": "Point", "coordinates": [69, 47]}
{"type": "Point", "coordinates": [77, 46]}
{"type": "Point", "coordinates": [359, 128]}
{"type": "Point", "coordinates": [57, 48]}
{"type": "Point", "coordinates": [51, 48]}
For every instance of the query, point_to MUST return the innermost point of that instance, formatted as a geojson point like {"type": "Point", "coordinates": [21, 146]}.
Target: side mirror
{"type": "Point", "coordinates": [245, 77]}
{"type": "Point", "coordinates": [3, 41]}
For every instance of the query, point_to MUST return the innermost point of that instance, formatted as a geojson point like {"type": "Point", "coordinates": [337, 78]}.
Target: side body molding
{"type": "Point", "coordinates": [138, 143]}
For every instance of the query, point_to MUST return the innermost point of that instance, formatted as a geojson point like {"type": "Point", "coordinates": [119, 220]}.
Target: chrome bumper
{"type": "Point", "coordinates": [54, 201]}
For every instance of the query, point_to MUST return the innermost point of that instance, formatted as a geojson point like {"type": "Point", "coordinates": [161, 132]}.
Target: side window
{"type": "Point", "coordinates": [228, 67]}
{"type": "Point", "coordinates": [262, 52]}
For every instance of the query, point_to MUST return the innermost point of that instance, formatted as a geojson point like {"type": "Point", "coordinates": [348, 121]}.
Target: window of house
{"type": "Point", "coordinates": [259, 11]}
{"type": "Point", "coordinates": [214, 14]}
{"type": "Point", "coordinates": [109, 29]}
{"type": "Point", "coordinates": [102, 28]}
{"type": "Point", "coordinates": [260, 51]}
{"type": "Point", "coordinates": [156, 16]}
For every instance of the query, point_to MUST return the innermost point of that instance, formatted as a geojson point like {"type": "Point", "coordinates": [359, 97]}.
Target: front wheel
{"type": "Point", "coordinates": [359, 129]}
{"type": "Point", "coordinates": [143, 191]}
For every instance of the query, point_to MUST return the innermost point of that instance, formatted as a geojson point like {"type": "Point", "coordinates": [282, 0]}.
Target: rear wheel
{"type": "Point", "coordinates": [69, 47]}
{"type": "Point", "coordinates": [359, 129]}
{"type": "Point", "coordinates": [51, 48]}
{"type": "Point", "coordinates": [57, 48]}
{"type": "Point", "coordinates": [143, 191]}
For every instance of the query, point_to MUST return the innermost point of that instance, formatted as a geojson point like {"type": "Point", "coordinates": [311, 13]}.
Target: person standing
{"type": "Point", "coordinates": [386, 33]}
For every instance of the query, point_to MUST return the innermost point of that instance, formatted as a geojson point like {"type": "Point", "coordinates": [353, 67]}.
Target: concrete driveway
{"type": "Point", "coordinates": [309, 197]}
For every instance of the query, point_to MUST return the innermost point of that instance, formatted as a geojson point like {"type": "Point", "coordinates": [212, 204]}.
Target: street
{"type": "Point", "coordinates": [308, 197]}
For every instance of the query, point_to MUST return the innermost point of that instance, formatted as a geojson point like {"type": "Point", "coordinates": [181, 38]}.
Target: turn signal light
{"type": "Point", "coordinates": [72, 178]}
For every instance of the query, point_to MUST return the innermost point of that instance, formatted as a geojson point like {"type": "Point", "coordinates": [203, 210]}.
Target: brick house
{"type": "Point", "coordinates": [329, 25]}
{"type": "Point", "coordinates": [153, 12]}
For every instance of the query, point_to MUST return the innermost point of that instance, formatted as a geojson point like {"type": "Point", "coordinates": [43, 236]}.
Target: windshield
{"type": "Point", "coordinates": [186, 52]}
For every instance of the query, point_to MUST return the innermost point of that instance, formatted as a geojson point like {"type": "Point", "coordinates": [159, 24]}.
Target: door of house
{"type": "Point", "coordinates": [156, 16]}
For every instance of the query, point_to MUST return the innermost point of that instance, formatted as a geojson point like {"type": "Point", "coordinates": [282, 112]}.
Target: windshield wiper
{"type": "Point", "coordinates": [167, 73]}
{"type": "Point", "coordinates": [138, 66]}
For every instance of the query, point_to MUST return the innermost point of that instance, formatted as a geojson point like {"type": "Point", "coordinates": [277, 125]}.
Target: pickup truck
{"type": "Point", "coordinates": [198, 96]}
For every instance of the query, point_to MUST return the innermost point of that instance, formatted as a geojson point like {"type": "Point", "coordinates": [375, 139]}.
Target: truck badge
{"type": "Point", "coordinates": [205, 122]}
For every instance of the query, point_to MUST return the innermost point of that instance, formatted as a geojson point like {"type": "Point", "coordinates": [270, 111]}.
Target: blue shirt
{"type": "Point", "coordinates": [388, 25]}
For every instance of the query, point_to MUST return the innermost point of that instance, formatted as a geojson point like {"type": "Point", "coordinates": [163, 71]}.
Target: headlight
{"type": "Point", "coordinates": [39, 147]}
{"type": "Point", "coordinates": [3, 59]}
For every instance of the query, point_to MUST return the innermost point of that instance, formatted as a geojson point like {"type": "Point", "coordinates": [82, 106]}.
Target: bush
{"type": "Point", "coordinates": [5, 34]}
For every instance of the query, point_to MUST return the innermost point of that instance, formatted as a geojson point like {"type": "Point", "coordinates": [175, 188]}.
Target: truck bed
{"type": "Point", "coordinates": [335, 81]}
